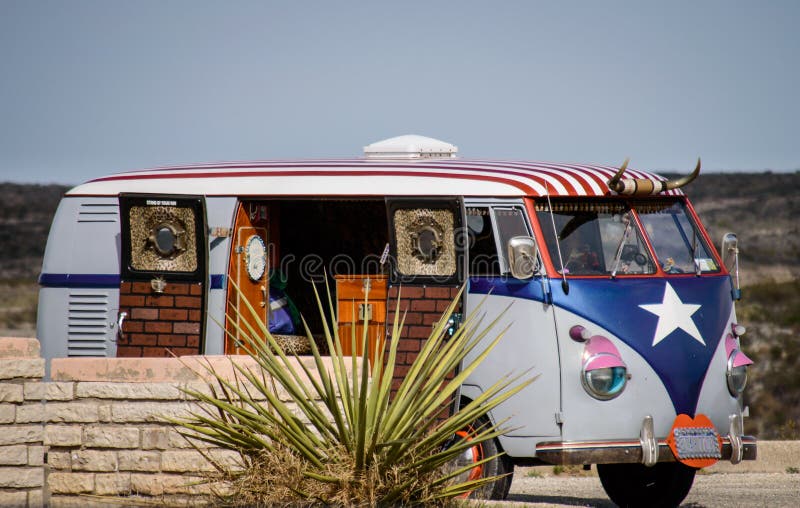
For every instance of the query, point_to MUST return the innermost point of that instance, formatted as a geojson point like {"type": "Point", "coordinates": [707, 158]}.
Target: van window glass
{"type": "Point", "coordinates": [675, 238]}
{"type": "Point", "coordinates": [510, 223]}
{"type": "Point", "coordinates": [483, 258]}
{"type": "Point", "coordinates": [596, 238]}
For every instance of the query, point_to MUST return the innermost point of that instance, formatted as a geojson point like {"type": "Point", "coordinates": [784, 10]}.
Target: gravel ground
{"type": "Point", "coordinates": [723, 490]}
{"type": "Point", "coordinates": [772, 480]}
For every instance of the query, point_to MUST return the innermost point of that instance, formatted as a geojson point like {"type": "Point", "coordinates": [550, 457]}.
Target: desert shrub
{"type": "Point", "coordinates": [354, 442]}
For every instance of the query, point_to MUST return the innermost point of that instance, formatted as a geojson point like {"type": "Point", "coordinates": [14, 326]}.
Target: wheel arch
{"type": "Point", "coordinates": [468, 394]}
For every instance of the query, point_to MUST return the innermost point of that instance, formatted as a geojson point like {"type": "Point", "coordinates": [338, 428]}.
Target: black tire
{"type": "Point", "coordinates": [632, 485]}
{"type": "Point", "coordinates": [498, 466]}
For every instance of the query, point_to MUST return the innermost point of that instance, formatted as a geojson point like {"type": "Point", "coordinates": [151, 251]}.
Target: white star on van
{"type": "Point", "coordinates": [673, 314]}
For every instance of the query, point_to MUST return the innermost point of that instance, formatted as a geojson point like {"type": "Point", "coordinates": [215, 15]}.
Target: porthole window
{"type": "Point", "coordinates": [162, 236]}
{"type": "Point", "coordinates": [168, 239]}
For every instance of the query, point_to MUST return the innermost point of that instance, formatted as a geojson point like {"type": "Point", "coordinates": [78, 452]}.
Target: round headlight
{"type": "Point", "coordinates": [736, 374]}
{"type": "Point", "coordinates": [605, 383]}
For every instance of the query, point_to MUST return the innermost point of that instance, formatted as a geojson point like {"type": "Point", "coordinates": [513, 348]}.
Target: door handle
{"type": "Point", "coordinates": [263, 295]}
{"type": "Point", "coordinates": [120, 321]}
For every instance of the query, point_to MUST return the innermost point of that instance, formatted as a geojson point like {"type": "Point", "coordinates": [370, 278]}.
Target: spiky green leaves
{"type": "Point", "coordinates": [341, 420]}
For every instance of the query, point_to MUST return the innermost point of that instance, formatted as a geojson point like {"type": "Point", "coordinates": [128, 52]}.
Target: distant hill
{"type": "Point", "coordinates": [762, 208]}
{"type": "Point", "coordinates": [26, 212]}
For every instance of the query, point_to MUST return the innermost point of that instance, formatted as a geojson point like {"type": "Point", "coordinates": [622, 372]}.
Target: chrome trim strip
{"type": "Point", "coordinates": [624, 451]}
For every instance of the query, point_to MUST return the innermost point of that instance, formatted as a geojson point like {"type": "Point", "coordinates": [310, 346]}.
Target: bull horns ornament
{"type": "Point", "coordinates": [645, 187]}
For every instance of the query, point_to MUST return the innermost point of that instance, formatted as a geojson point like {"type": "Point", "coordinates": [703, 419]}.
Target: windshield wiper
{"type": "Point", "coordinates": [697, 269]}
{"type": "Point", "coordinates": [620, 247]}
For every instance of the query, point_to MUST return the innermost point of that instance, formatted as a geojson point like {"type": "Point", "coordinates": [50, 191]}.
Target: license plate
{"type": "Point", "coordinates": [696, 443]}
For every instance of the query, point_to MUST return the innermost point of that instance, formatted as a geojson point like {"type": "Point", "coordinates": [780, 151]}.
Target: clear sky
{"type": "Point", "coordinates": [89, 88]}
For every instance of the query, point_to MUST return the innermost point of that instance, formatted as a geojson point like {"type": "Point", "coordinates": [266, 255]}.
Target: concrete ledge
{"type": "Point", "coordinates": [16, 347]}
{"type": "Point", "coordinates": [160, 370]}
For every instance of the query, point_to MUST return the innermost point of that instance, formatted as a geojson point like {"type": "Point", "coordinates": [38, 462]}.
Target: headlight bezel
{"type": "Point", "coordinates": [735, 374]}
{"type": "Point", "coordinates": [604, 364]}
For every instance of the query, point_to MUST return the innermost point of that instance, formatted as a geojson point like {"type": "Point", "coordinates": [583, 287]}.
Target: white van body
{"type": "Point", "coordinates": [669, 335]}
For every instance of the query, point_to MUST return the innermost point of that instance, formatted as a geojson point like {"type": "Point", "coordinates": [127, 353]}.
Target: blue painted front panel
{"type": "Point", "coordinates": [679, 359]}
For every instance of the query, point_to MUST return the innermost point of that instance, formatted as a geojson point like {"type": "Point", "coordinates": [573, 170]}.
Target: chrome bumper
{"type": "Point", "coordinates": [613, 452]}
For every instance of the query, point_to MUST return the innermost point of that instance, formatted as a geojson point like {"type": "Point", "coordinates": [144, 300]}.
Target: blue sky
{"type": "Point", "coordinates": [89, 88]}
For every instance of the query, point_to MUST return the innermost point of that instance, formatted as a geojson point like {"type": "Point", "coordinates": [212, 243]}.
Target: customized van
{"type": "Point", "coordinates": [621, 303]}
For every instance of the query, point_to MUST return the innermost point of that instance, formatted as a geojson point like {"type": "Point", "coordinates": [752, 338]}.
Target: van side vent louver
{"type": "Point", "coordinates": [88, 328]}
{"type": "Point", "coordinates": [99, 212]}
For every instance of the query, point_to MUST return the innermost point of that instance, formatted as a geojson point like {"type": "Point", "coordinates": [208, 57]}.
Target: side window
{"type": "Point", "coordinates": [483, 258]}
{"type": "Point", "coordinates": [489, 230]}
{"type": "Point", "coordinates": [510, 223]}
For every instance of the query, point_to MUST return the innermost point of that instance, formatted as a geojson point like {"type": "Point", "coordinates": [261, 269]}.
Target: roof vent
{"type": "Point", "coordinates": [410, 146]}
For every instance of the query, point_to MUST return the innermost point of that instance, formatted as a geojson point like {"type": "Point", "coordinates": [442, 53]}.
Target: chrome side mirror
{"type": "Point", "coordinates": [730, 258]}
{"type": "Point", "coordinates": [522, 260]}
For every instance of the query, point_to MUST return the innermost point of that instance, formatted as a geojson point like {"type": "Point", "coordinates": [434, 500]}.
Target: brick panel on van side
{"type": "Point", "coordinates": [423, 307]}
{"type": "Point", "coordinates": [161, 324]}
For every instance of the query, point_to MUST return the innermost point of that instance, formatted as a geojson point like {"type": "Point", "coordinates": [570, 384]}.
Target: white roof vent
{"type": "Point", "coordinates": [410, 146]}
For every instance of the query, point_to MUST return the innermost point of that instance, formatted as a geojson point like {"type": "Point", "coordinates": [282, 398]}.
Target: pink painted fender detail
{"type": "Point", "coordinates": [601, 353]}
{"type": "Point", "coordinates": [731, 346]}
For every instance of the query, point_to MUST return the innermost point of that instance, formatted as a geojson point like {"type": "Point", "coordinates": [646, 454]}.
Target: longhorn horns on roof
{"type": "Point", "coordinates": [645, 187]}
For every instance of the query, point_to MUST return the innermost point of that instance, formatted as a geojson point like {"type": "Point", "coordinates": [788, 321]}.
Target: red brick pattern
{"type": "Point", "coordinates": [158, 324]}
{"type": "Point", "coordinates": [423, 307]}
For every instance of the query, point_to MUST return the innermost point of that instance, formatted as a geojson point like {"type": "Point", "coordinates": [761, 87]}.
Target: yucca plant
{"type": "Point", "coordinates": [353, 441]}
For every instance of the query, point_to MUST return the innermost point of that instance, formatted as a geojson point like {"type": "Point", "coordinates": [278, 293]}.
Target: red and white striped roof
{"type": "Point", "coordinates": [369, 177]}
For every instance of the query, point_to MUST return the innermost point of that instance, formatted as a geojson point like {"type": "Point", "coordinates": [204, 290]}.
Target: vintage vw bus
{"type": "Point", "coordinates": [621, 304]}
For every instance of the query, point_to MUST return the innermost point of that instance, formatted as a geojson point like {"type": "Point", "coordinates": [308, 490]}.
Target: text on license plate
{"type": "Point", "coordinates": [697, 443]}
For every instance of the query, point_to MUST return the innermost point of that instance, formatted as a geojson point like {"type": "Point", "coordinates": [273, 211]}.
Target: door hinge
{"type": "Point", "coordinates": [559, 417]}
{"type": "Point", "coordinates": [219, 232]}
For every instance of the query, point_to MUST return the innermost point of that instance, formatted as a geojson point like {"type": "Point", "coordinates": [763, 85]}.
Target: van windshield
{"type": "Point", "coordinates": [602, 238]}
{"type": "Point", "coordinates": [674, 237]}
{"type": "Point", "coordinates": [595, 238]}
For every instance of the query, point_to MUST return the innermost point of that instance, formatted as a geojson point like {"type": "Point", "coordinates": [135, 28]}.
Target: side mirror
{"type": "Point", "coordinates": [730, 258]}
{"type": "Point", "coordinates": [522, 260]}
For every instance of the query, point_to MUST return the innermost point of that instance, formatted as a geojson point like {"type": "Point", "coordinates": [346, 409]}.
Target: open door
{"type": "Point", "coordinates": [248, 269]}
{"type": "Point", "coordinates": [426, 241]}
{"type": "Point", "coordinates": [163, 275]}
{"type": "Point", "coordinates": [428, 262]}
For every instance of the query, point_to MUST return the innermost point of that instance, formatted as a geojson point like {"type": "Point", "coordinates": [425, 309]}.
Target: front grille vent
{"type": "Point", "coordinates": [88, 329]}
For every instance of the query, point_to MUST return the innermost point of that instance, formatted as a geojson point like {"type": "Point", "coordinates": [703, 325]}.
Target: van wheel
{"type": "Point", "coordinates": [498, 466]}
{"type": "Point", "coordinates": [664, 485]}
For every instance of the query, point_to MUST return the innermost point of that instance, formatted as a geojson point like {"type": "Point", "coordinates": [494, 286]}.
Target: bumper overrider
{"type": "Point", "coordinates": [691, 441]}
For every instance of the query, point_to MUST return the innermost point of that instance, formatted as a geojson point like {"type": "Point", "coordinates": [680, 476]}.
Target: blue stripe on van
{"type": "Point", "coordinates": [95, 280]}
{"type": "Point", "coordinates": [79, 280]}
{"type": "Point", "coordinates": [507, 286]}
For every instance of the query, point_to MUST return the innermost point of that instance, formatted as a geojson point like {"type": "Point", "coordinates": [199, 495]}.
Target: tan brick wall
{"type": "Point", "coordinates": [98, 428]}
{"type": "Point", "coordinates": [22, 472]}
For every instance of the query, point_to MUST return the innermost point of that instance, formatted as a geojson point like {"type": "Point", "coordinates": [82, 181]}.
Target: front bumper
{"type": "Point", "coordinates": [613, 452]}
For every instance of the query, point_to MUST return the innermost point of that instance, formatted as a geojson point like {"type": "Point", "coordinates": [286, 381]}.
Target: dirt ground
{"type": "Point", "coordinates": [714, 490]}
{"type": "Point", "coordinates": [771, 480]}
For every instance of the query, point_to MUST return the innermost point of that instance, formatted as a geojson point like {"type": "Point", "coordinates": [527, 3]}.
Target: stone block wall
{"type": "Point", "coordinates": [98, 429]}
{"type": "Point", "coordinates": [22, 451]}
